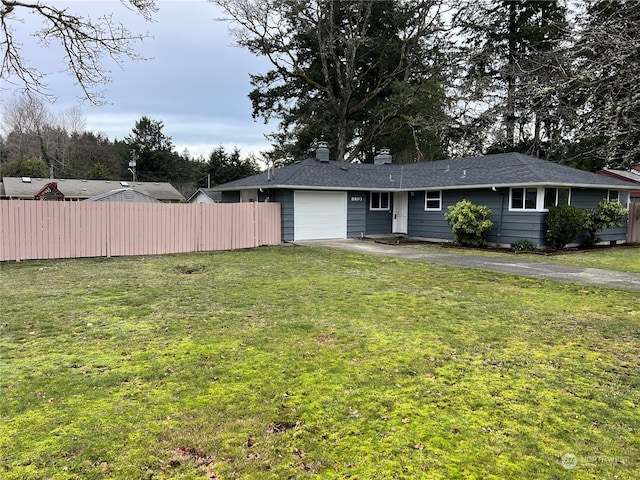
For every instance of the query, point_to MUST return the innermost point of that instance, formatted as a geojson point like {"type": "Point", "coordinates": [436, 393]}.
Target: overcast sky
{"type": "Point", "coordinates": [195, 81]}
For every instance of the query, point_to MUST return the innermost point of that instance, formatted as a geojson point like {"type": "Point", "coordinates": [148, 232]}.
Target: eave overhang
{"type": "Point", "coordinates": [422, 188]}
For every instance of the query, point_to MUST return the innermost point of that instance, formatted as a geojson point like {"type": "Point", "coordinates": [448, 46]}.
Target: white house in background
{"type": "Point", "coordinates": [205, 195]}
{"type": "Point", "coordinates": [124, 195]}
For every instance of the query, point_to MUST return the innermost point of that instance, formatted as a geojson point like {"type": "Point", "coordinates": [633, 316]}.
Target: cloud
{"type": "Point", "coordinates": [199, 135]}
{"type": "Point", "coordinates": [195, 81]}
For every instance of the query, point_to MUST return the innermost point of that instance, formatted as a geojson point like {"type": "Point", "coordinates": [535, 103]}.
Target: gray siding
{"type": "Point", "coordinates": [518, 225]}
{"type": "Point", "coordinates": [230, 197]}
{"type": "Point", "coordinates": [285, 198]}
{"type": "Point", "coordinates": [431, 224]}
{"type": "Point", "coordinates": [588, 198]}
{"type": "Point", "coordinates": [356, 214]}
{"type": "Point", "coordinates": [507, 226]}
{"type": "Point", "coordinates": [379, 222]}
{"type": "Point", "coordinates": [427, 224]}
{"type": "Point", "coordinates": [614, 235]}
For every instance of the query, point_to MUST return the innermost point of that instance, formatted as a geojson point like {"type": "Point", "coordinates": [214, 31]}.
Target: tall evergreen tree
{"type": "Point", "coordinates": [223, 167]}
{"type": "Point", "coordinates": [344, 72]}
{"type": "Point", "coordinates": [151, 149]}
{"type": "Point", "coordinates": [515, 60]}
{"type": "Point", "coordinates": [606, 89]}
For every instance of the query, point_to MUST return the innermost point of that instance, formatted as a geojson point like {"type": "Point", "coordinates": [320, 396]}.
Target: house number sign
{"type": "Point", "coordinates": [357, 199]}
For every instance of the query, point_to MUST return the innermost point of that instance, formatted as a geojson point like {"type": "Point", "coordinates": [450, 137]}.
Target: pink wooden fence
{"type": "Point", "coordinates": [41, 229]}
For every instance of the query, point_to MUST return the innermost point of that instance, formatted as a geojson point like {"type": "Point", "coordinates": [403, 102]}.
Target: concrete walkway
{"type": "Point", "coordinates": [587, 276]}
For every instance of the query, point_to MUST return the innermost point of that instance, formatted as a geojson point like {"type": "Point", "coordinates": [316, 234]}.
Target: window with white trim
{"type": "Point", "coordinates": [379, 201]}
{"type": "Point", "coordinates": [621, 195]}
{"type": "Point", "coordinates": [433, 200]}
{"type": "Point", "coordinates": [523, 198]}
{"type": "Point", "coordinates": [554, 196]}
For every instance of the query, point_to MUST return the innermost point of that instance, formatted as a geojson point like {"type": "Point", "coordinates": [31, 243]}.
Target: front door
{"type": "Point", "coordinates": [400, 212]}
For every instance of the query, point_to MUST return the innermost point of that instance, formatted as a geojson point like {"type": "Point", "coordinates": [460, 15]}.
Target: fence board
{"type": "Point", "coordinates": [5, 238]}
{"type": "Point", "coordinates": [81, 238]}
{"type": "Point", "coordinates": [633, 227]}
{"type": "Point", "coordinates": [41, 229]}
{"type": "Point", "coordinates": [49, 228]}
{"type": "Point", "coordinates": [7, 233]}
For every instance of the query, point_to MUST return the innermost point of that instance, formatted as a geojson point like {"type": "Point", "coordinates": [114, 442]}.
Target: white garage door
{"type": "Point", "coordinates": [319, 215]}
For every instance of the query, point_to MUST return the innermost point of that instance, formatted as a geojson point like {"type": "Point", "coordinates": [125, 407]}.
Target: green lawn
{"type": "Point", "coordinates": [295, 362]}
{"type": "Point", "coordinates": [623, 258]}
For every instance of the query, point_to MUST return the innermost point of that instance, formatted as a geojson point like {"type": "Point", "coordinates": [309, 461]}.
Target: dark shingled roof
{"type": "Point", "coordinates": [504, 169]}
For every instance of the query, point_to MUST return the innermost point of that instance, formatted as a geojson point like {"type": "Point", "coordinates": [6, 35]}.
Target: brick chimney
{"type": "Point", "coordinates": [384, 156]}
{"type": "Point", "coordinates": [322, 152]}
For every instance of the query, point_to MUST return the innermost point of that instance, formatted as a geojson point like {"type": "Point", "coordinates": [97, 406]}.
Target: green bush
{"type": "Point", "coordinates": [523, 245]}
{"type": "Point", "coordinates": [469, 223]}
{"type": "Point", "coordinates": [25, 167]}
{"type": "Point", "coordinates": [608, 214]}
{"type": "Point", "coordinates": [564, 224]}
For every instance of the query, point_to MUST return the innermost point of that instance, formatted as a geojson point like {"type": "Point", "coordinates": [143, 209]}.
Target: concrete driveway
{"type": "Point", "coordinates": [587, 276]}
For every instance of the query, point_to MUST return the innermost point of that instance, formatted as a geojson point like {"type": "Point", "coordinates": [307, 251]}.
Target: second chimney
{"type": "Point", "coordinates": [383, 157]}
{"type": "Point", "coordinates": [322, 152]}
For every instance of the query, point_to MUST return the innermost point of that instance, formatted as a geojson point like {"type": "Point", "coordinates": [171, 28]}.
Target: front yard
{"type": "Point", "coordinates": [294, 362]}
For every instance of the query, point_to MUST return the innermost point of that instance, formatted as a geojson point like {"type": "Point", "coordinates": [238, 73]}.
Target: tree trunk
{"type": "Point", "coordinates": [510, 114]}
{"type": "Point", "coordinates": [341, 140]}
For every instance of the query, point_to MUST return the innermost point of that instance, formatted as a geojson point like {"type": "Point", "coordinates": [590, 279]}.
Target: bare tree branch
{"type": "Point", "coordinates": [85, 43]}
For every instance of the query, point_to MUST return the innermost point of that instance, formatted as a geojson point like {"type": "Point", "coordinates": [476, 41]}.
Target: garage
{"type": "Point", "coordinates": [319, 215]}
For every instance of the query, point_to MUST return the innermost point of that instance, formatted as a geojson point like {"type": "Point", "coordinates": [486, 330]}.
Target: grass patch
{"type": "Point", "coordinates": [623, 258]}
{"type": "Point", "coordinates": [288, 362]}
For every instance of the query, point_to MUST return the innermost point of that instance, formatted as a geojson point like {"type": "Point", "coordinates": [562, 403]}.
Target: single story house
{"type": "Point", "coordinates": [25, 188]}
{"type": "Point", "coordinates": [632, 175]}
{"type": "Point", "coordinates": [205, 195]}
{"type": "Point", "coordinates": [323, 199]}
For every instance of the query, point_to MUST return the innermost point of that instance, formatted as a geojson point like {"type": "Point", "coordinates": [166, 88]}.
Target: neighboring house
{"type": "Point", "coordinates": [632, 175]}
{"type": "Point", "coordinates": [125, 195]}
{"type": "Point", "coordinates": [25, 188]}
{"type": "Point", "coordinates": [322, 199]}
{"type": "Point", "coordinates": [205, 195]}
{"type": "Point", "coordinates": [49, 192]}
